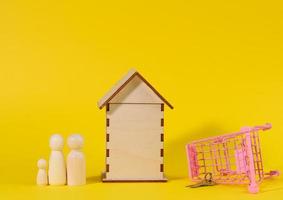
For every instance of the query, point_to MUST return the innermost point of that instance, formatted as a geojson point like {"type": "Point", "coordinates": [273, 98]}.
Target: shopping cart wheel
{"type": "Point", "coordinates": [274, 173]}
{"type": "Point", "coordinates": [253, 188]}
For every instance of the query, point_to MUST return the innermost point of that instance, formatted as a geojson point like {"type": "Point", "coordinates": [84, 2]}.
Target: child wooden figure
{"type": "Point", "coordinates": [76, 172]}
{"type": "Point", "coordinates": [57, 167]}
{"type": "Point", "coordinates": [42, 174]}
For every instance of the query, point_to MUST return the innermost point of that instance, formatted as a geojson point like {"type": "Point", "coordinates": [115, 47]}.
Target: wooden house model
{"type": "Point", "coordinates": [134, 131]}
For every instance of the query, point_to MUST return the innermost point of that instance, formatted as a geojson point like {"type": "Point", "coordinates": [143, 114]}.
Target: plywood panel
{"type": "Point", "coordinates": [132, 88]}
{"type": "Point", "coordinates": [136, 118]}
{"type": "Point", "coordinates": [124, 165]}
{"type": "Point", "coordinates": [135, 141]}
{"type": "Point", "coordinates": [116, 87]}
{"type": "Point", "coordinates": [136, 91]}
{"type": "Point", "coordinates": [144, 145]}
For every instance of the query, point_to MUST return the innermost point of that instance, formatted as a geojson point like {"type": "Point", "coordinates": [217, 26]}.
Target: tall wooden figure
{"type": "Point", "coordinates": [76, 167]}
{"type": "Point", "coordinates": [57, 167]}
{"type": "Point", "coordinates": [134, 131]}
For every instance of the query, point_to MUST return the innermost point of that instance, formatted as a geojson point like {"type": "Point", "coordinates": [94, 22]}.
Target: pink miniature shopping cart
{"type": "Point", "coordinates": [231, 159]}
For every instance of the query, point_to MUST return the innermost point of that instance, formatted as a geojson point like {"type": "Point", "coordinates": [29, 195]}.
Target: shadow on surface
{"type": "Point", "coordinates": [175, 155]}
{"type": "Point", "coordinates": [93, 179]}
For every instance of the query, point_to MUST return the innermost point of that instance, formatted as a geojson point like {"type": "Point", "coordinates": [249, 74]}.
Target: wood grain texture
{"type": "Point", "coordinates": [107, 180]}
{"type": "Point", "coordinates": [131, 81]}
{"type": "Point", "coordinates": [116, 88]}
{"type": "Point", "coordinates": [136, 91]}
{"type": "Point", "coordinates": [135, 142]}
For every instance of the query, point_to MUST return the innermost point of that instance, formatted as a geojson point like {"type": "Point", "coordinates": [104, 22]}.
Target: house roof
{"type": "Point", "coordinates": [122, 83]}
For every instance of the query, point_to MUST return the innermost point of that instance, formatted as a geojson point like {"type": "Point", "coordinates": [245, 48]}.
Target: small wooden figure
{"type": "Point", "coordinates": [57, 167]}
{"type": "Point", "coordinates": [134, 130]}
{"type": "Point", "coordinates": [76, 167]}
{"type": "Point", "coordinates": [41, 178]}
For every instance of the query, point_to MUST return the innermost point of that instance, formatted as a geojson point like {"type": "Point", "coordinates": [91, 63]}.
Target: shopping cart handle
{"type": "Point", "coordinates": [265, 127]}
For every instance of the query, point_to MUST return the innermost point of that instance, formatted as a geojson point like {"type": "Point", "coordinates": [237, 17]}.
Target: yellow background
{"type": "Point", "coordinates": [218, 62]}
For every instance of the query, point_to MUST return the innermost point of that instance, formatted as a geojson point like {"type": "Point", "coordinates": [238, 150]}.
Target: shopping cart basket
{"type": "Point", "coordinates": [231, 159]}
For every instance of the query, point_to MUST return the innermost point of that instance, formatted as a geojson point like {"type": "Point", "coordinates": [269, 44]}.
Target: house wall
{"type": "Point", "coordinates": [134, 149]}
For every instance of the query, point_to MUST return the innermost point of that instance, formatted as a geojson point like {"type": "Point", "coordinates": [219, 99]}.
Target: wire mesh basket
{"type": "Point", "coordinates": [233, 158]}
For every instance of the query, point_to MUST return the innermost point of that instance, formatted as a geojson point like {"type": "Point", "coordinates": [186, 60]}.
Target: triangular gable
{"type": "Point", "coordinates": [122, 83]}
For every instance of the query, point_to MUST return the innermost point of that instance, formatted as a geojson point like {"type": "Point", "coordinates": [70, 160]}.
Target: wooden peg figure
{"type": "Point", "coordinates": [76, 172]}
{"type": "Point", "coordinates": [41, 178]}
{"type": "Point", "coordinates": [57, 167]}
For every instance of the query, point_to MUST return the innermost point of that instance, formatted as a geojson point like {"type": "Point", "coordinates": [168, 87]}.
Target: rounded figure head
{"type": "Point", "coordinates": [41, 164]}
{"type": "Point", "coordinates": [75, 141]}
{"type": "Point", "coordinates": [56, 142]}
